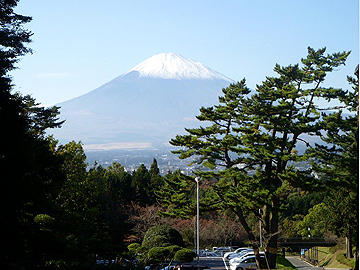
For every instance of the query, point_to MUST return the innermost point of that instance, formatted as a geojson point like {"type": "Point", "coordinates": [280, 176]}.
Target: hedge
{"type": "Point", "coordinates": [184, 255]}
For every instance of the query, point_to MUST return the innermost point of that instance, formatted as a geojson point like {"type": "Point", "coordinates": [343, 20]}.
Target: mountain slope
{"type": "Point", "coordinates": [150, 103]}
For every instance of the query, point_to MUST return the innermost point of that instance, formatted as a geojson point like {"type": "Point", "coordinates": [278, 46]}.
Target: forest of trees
{"type": "Point", "coordinates": [57, 212]}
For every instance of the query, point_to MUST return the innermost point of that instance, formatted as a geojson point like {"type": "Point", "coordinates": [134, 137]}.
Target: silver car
{"type": "Point", "coordinates": [236, 260]}
{"type": "Point", "coordinates": [237, 252]}
{"type": "Point", "coordinates": [246, 263]}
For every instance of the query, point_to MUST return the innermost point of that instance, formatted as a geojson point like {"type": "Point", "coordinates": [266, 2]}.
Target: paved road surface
{"type": "Point", "coordinates": [300, 264]}
{"type": "Point", "coordinates": [213, 263]}
{"type": "Point", "coordinates": [218, 263]}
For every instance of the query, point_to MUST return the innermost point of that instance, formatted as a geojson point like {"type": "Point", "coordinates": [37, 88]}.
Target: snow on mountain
{"type": "Point", "coordinates": [151, 103]}
{"type": "Point", "coordinates": [174, 66]}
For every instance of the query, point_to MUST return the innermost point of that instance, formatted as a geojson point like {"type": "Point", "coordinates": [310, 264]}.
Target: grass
{"type": "Point", "coordinates": [328, 259]}
{"type": "Point", "coordinates": [342, 259]}
{"type": "Point", "coordinates": [283, 264]}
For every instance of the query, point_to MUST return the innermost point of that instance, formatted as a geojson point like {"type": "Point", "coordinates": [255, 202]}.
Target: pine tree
{"type": "Point", "coordinates": [178, 194]}
{"type": "Point", "coordinates": [156, 181]}
{"type": "Point", "coordinates": [141, 184]}
{"type": "Point", "coordinates": [249, 145]}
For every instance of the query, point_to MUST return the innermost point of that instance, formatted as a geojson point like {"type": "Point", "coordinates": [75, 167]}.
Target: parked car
{"type": "Point", "coordinates": [106, 262]}
{"type": "Point", "coordinates": [169, 267]}
{"type": "Point", "coordinates": [236, 260]}
{"type": "Point", "coordinates": [245, 263]}
{"type": "Point", "coordinates": [153, 267]}
{"type": "Point", "coordinates": [209, 254]}
{"type": "Point", "coordinates": [236, 252]}
{"type": "Point", "coordinates": [191, 267]}
{"type": "Point", "coordinates": [222, 250]}
{"type": "Point", "coordinates": [172, 266]}
{"type": "Point", "coordinates": [238, 255]}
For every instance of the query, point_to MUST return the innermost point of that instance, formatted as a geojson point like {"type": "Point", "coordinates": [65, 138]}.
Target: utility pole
{"type": "Point", "coordinates": [260, 234]}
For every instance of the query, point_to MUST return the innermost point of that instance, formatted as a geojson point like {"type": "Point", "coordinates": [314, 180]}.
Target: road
{"type": "Point", "coordinates": [300, 264]}
{"type": "Point", "coordinates": [218, 263]}
{"type": "Point", "coordinates": [214, 263]}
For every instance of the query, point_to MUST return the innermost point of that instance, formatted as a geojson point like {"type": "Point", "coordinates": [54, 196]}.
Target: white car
{"type": "Point", "coordinates": [236, 260]}
{"type": "Point", "coordinates": [227, 255]}
{"type": "Point", "coordinates": [238, 255]}
{"type": "Point", "coordinates": [222, 250]}
{"type": "Point", "coordinates": [247, 262]}
{"type": "Point", "coordinates": [209, 254]}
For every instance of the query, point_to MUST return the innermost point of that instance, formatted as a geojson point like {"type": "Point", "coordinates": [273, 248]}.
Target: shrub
{"type": "Point", "coordinates": [172, 250]}
{"type": "Point", "coordinates": [158, 254]}
{"type": "Point", "coordinates": [184, 255]}
{"type": "Point", "coordinates": [161, 236]}
{"type": "Point", "coordinates": [134, 247]}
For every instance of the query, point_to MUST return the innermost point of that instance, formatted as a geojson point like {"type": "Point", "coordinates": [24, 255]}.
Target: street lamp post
{"type": "Point", "coordinates": [260, 234]}
{"type": "Point", "coordinates": [197, 179]}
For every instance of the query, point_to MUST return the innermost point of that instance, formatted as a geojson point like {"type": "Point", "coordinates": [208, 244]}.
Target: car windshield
{"type": "Point", "coordinates": [241, 254]}
{"type": "Point", "coordinates": [250, 260]}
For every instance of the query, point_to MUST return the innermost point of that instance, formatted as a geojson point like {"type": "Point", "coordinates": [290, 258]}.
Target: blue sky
{"type": "Point", "coordinates": [80, 45]}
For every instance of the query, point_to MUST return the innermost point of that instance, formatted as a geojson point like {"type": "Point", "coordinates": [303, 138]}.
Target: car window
{"type": "Point", "coordinates": [250, 260]}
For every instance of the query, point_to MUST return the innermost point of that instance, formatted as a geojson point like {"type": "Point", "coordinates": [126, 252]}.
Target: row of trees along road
{"type": "Point", "coordinates": [54, 211]}
{"type": "Point", "coordinates": [248, 146]}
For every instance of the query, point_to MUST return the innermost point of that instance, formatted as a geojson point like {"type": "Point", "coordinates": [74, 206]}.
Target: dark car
{"type": "Point", "coordinates": [191, 267]}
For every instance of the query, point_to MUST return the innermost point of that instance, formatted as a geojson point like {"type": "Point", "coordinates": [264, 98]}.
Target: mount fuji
{"type": "Point", "coordinates": [144, 107]}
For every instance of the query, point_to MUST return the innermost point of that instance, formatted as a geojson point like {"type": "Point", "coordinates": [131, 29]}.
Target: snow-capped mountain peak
{"type": "Point", "coordinates": [175, 66]}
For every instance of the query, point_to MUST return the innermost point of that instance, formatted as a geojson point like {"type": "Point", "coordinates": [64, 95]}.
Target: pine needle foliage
{"type": "Point", "coordinates": [248, 143]}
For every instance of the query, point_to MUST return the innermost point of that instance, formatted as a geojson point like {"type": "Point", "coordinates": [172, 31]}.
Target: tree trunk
{"type": "Point", "coordinates": [349, 253]}
{"type": "Point", "coordinates": [261, 264]}
{"type": "Point", "coordinates": [272, 234]}
{"type": "Point", "coordinates": [271, 252]}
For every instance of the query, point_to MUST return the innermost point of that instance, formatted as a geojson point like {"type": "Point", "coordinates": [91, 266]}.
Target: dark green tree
{"type": "Point", "coordinates": [141, 183]}
{"type": "Point", "coordinates": [94, 205]}
{"type": "Point", "coordinates": [343, 218]}
{"type": "Point", "coordinates": [112, 221]}
{"type": "Point", "coordinates": [120, 180]}
{"type": "Point", "coordinates": [79, 201]}
{"type": "Point", "coordinates": [178, 194]}
{"type": "Point", "coordinates": [337, 164]}
{"type": "Point", "coordinates": [156, 181]}
{"type": "Point", "coordinates": [315, 223]}
{"type": "Point", "coordinates": [299, 203]}
{"type": "Point", "coordinates": [30, 174]}
{"type": "Point", "coordinates": [249, 142]}
{"type": "Point", "coordinates": [154, 169]}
